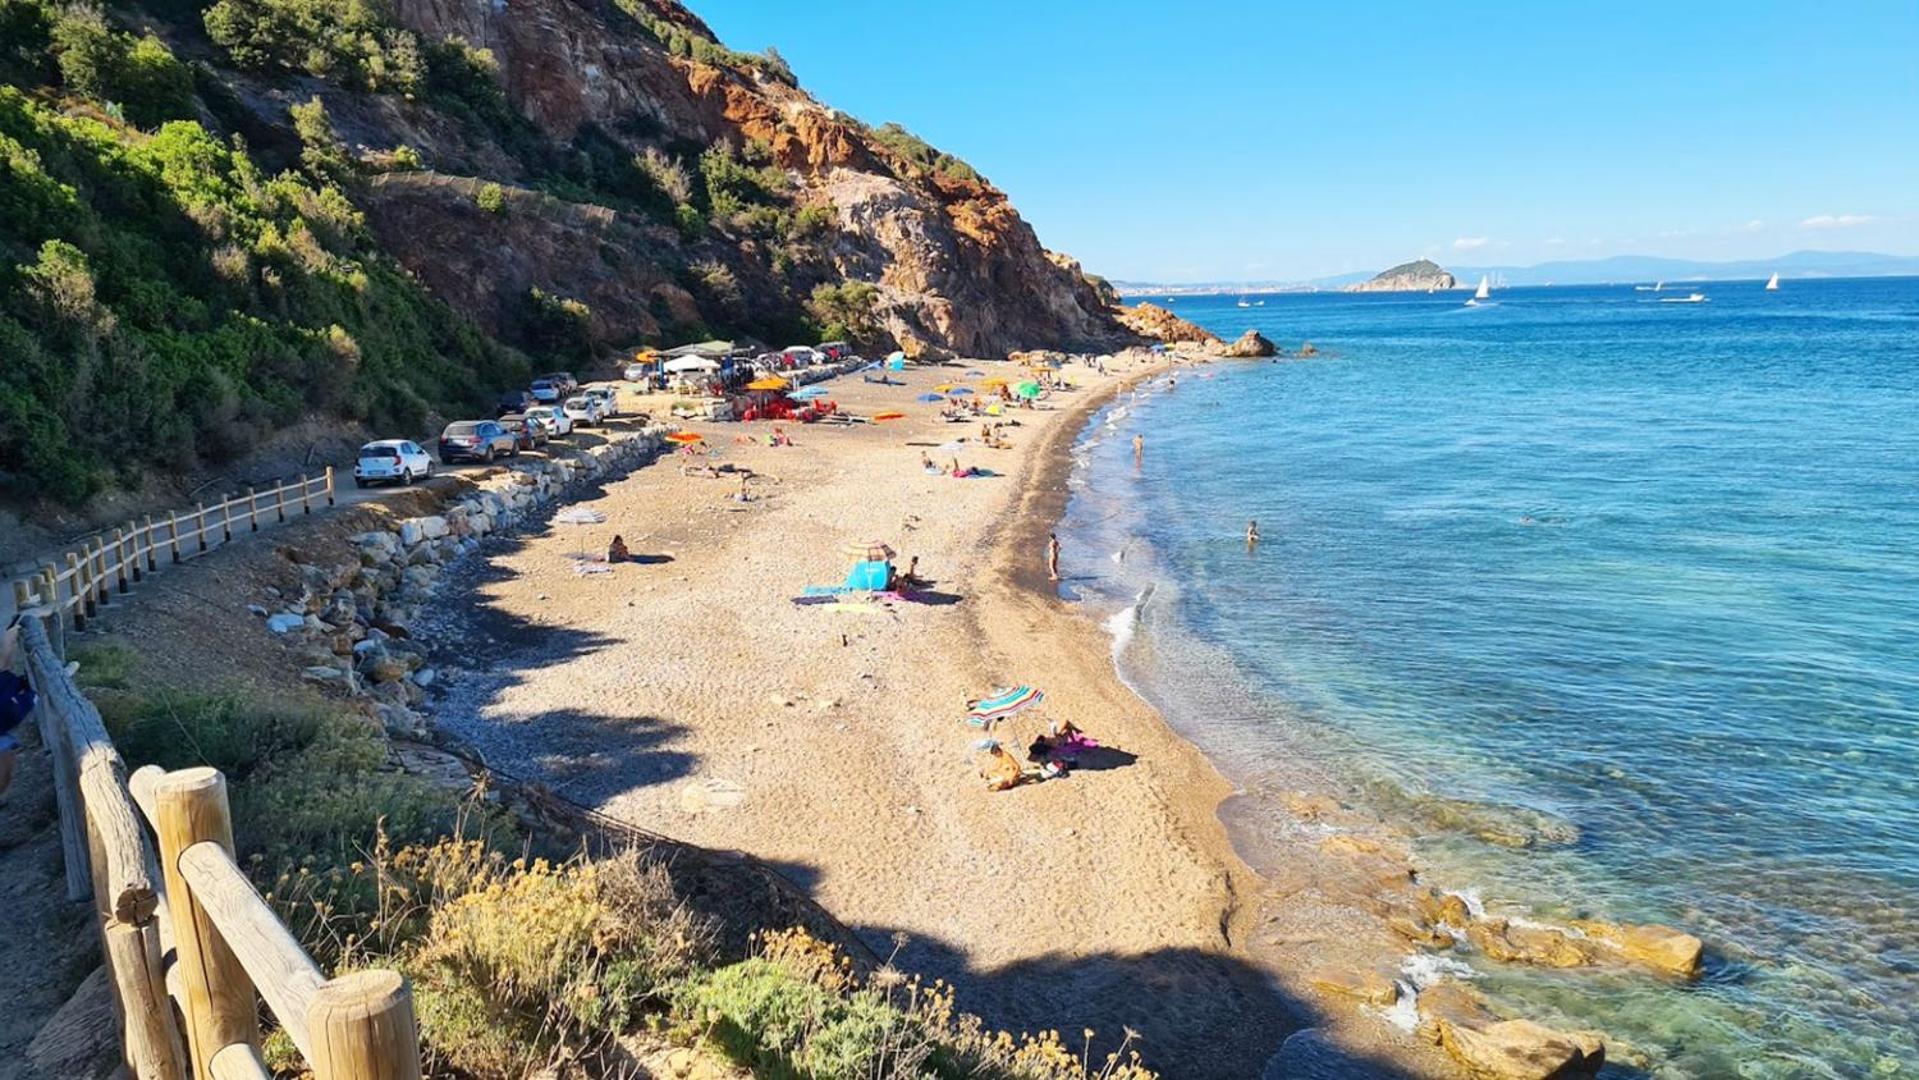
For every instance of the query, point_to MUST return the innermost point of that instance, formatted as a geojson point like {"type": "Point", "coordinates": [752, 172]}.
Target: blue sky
{"type": "Point", "coordinates": [1282, 141]}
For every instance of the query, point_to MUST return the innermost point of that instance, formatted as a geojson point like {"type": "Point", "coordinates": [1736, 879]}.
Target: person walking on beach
{"type": "Point", "coordinates": [1052, 556]}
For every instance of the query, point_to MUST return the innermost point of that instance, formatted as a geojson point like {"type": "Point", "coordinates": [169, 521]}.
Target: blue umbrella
{"type": "Point", "coordinates": [930, 397]}
{"type": "Point", "coordinates": [960, 390]}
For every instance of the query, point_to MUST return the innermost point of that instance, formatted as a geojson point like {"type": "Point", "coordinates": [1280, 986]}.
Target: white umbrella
{"type": "Point", "coordinates": [691, 363]}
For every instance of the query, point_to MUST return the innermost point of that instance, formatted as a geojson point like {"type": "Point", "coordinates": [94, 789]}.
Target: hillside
{"type": "Point", "coordinates": [1420, 275]}
{"type": "Point", "coordinates": [217, 220]}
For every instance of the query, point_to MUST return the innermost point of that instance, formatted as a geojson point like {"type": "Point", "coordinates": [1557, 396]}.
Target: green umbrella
{"type": "Point", "coordinates": [1027, 389]}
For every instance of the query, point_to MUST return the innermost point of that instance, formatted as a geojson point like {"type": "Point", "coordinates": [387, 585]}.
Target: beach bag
{"type": "Point", "coordinates": [16, 701]}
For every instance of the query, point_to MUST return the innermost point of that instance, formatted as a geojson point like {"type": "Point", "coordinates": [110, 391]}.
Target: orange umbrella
{"type": "Point", "coordinates": [685, 437]}
{"type": "Point", "coordinates": [771, 382]}
{"type": "Point", "coordinates": [888, 415]}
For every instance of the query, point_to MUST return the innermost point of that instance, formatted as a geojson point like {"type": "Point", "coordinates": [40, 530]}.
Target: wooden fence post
{"type": "Point", "coordinates": [280, 503]}
{"type": "Point", "coordinates": [173, 533]}
{"type": "Point", "coordinates": [102, 580]}
{"type": "Point", "coordinates": [153, 1050]}
{"type": "Point", "coordinates": [153, 558]}
{"type": "Point", "coordinates": [362, 1028]}
{"type": "Point", "coordinates": [226, 521]}
{"type": "Point", "coordinates": [253, 511]}
{"type": "Point", "coordinates": [329, 485]}
{"type": "Point", "coordinates": [306, 494]}
{"type": "Point", "coordinates": [200, 526]}
{"type": "Point", "coordinates": [81, 604]}
{"type": "Point", "coordinates": [191, 807]}
{"type": "Point", "coordinates": [22, 596]}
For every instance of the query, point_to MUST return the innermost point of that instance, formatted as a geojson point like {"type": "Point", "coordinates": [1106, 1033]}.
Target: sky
{"type": "Point", "coordinates": [1281, 141]}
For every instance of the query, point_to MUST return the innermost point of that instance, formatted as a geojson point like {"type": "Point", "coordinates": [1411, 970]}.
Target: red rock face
{"type": "Point", "coordinates": [959, 269]}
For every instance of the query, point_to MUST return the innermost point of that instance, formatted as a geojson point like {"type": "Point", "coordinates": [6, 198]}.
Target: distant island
{"type": "Point", "coordinates": [1420, 275]}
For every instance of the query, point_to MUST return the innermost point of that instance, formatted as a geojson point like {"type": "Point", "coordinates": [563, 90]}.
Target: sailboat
{"type": "Point", "coordinates": [1689, 298]}
{"type": "Point", "coordinates": [1772, 283]}
{"type": "Point", "coordinates": [1243, 303]}
{"type": "Point", "coordinates": [1654, 287]}
{"type": "Point", "coordinates": [1485, 290]}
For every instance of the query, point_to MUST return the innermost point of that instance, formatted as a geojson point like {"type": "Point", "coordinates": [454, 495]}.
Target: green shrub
{"type": "Point", "coordinates": [139, 74]}
{"type": "Point", "coordinates": [556, 326]}
{"type": "Point", "coordinates": [919, 156]}
{"type": "Point", "coordinates": [844, 310]}
{"type": "Point", "coordinates": [322, 154]}
{"type": "Point", "coordinates": [350, 40]}
{"type": "Point", "coordinates": [490, 198]}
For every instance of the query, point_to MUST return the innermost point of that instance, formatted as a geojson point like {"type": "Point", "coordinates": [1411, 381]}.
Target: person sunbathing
{"type": "Point", "coordinates": [616, 551]}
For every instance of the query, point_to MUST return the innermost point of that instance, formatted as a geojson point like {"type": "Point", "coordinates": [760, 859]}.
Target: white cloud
{"type": "Point", "coordinates": [1754, 225]}
{"type": "Point", "coordinates": [1467, 243]}
{"type": "Point", "coordinates": [1837, 221]}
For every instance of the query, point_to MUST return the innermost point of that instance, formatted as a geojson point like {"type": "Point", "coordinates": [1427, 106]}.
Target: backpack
{"type": "Point", "coordinates": [16, 701]}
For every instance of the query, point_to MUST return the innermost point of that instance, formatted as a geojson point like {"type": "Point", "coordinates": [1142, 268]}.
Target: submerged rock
{"type": "Point", "coordinates": [1661, 948]}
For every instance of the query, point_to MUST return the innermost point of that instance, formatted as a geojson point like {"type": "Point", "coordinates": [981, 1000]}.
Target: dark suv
{"type": "Point", "coordinates": [514, 401]}
{"type": "Point", "coordinates": [477, 440]}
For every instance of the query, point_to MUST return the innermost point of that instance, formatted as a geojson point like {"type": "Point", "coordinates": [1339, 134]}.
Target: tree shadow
{"type": "Point", "coordinates": [1198, 1013]}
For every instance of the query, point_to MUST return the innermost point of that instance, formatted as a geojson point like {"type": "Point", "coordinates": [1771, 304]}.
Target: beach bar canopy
{"type": "Point", "coordinates": [682, 364]}
{"type": "Point", "coordinates": [711, 350]}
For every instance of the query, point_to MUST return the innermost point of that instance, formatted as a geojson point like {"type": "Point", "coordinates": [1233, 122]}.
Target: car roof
{"type": "Point", "coordinates": [384, 442]}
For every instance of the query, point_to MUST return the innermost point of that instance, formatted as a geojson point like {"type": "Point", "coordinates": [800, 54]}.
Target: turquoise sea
{"type": "Point", "coordinates": [1635, 584]}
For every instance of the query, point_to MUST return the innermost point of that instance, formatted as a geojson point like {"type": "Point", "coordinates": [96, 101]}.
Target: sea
{"type": "Point", "coordinates": [1612, 602]}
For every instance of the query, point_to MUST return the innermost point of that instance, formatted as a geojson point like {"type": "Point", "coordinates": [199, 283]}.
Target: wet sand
{"type": "Point", "coordinates": [686, 694]}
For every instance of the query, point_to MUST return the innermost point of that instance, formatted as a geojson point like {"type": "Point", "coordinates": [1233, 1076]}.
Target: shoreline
{"type": "Point", "coordinates": [688, 697]}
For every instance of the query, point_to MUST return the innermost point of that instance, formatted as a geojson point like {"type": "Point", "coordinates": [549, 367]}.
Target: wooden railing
{"type": "Point", "coordinates": [86, 578]}
{"type": "Point", "coordinates": [182, 926]}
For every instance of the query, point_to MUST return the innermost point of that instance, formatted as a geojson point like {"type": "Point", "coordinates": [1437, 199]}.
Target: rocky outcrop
{"type": "Point", "coordinates": [1452, 1015]}
{"type": "Point", "coordinates": [1158, 324]}
{"type": "Point", "coordinates": [1249, 345]}
{"type": "Point", "coordinates": [957, 268]}
{"type": "Point", "coordinates": [1420, 275]}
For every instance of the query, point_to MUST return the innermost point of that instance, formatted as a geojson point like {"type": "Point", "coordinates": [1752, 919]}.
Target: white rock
{"type": "Point", "coordinates": [434, 527]}
{"type": "Point", "coordinates": [257, 609]}
{"type": "Point", "coordinates": [285, 622]}
{"type": "Point", "coordinates": [425, 677]}
{"type": "Point", "coordinates": [412, 532]}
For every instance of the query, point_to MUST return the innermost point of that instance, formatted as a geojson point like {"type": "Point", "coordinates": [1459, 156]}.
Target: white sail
{"type": "Point", "coordinates": [1772, 283]}
{"type": "Point", "coordinates": [1484, 290]}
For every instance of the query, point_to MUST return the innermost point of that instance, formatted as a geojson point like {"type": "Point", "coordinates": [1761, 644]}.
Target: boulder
{"type": "Point", "coordinates": [1524, 943]}
{"type": "Point", "coordinates": [1518, 1050]}
{"type": "Point", "coordinates": [285, 622]}
{"type": "Point", "coordinates": [1366, 987]}
{"type": "Point", "coordinates": [1249, 345]}
{"type": "Point", "coordinates": [412, 532]}
{"type": "Point", "coordinates": [1661, 948]}
{"type": "Point", "coordinates": [434, 527]}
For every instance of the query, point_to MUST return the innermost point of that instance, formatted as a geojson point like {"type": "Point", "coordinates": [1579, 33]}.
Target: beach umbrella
{"type": "Point", "coordinates": [867, 550]}
{"type": "Point", "coordinates": [958, 390]}
{"type": "Point", "coordinates": [974, 373]}
{"type": "Point", "coordinates": [995, 381]}
{"type": "Point", "coordinates": [810, 393]}
{"type": "Point", "coordinates": [896, 357]}
{"type": "Point", "coordinates": [771, 382]}
{"type": "Point", "coordinates": [888, 416]}
{"type": "Point", "coordinates": [953, 447]}
{"type": "Point", "coordinates": [986, 711]}
{"type": "Point", "coordinates": [1027, 389]}
{"type": "Point", "coordinates": [686, 438]}
{"type": "Point", "coordinates": [929, 397]}
{"type": "Point", "coordinates": [944, 387]}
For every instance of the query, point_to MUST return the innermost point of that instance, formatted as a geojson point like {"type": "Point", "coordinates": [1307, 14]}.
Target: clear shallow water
{"type": "Point", "coordinates": [1638, 581]}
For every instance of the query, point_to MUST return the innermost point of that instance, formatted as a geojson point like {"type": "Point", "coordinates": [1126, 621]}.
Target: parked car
{"type": "Point", "coordinates": [552, 418]}
{"type": "Point", "coordinates": [529, 433]}
{"type": "Point", "coordinates": [514, 401]}
{"type": "Point", "coordinates": [393, 461]}
{"type": "Point", "coordinates": [608, 397]}
{"type": "Point", "coordinates": [800, 356]}
{"type": "Point", "coordinates": [564, 380]}
{"type": "Point", "coordinates": [834, 350]}
{"type": "Point", "coordinates": [583, 410]}
{"type": "Point", "coordinates": [477, 440]}
{"type": "Point", "coordinates": [637, 372]}
{"type": "Point", "coordinates": [545, 392]}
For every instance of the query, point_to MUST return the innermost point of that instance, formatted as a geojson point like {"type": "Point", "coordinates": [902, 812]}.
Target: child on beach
{"type": "Point", "coordinates": [616, 551]}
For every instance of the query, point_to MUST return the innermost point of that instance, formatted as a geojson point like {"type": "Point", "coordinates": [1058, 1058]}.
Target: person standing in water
{"type": "Point", "coordinates": [1052, 556]}
{"type": "Point", "coordinates": [1252, 534]}
{"type": "Point", "coordinates": [1139, 449]}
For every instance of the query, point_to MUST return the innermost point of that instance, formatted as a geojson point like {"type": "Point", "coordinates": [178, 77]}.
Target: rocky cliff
{"type": "Point", "coordinates": [1420, 275]}
{"type": "Point", "coordinates": [955, 266]}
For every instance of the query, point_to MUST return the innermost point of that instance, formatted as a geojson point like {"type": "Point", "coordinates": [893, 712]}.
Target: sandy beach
{"type": "Point", "coordinates": [687, 694]}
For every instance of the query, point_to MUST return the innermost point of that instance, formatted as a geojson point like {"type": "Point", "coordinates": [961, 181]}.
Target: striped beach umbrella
{"type": "Point", "coordinates": [986, 711]}
{"type": "Point", "coordinates": [867, 550]}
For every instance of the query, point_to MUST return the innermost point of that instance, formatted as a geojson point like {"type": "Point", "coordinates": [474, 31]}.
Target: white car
{"type": "Point", "coordinates": [607, 396]}
{"type": "Point", "coordinates": [801, 356]}
{"type": "Point", "coordinates": [584, 410]}
{"type": "Point", "coordinates": [392, 461]}
{"type": "Point", "coordinates": [553, 418]}
{"type": "Point", "coordinates": [636, 372]}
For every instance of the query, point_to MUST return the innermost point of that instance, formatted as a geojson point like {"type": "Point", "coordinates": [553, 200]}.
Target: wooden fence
{"type": "Point", "coordinates": [86, 578]}
{"type": "Point", "coordinates": [190, 947]}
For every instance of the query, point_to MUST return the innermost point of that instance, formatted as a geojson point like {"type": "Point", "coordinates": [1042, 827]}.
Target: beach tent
{"type": "Point", "coordinates": [896, 361]}
{"type": "Point", "coordinates": [873, 575]}
{"type": "Point", "coordinates": [683, 364]}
